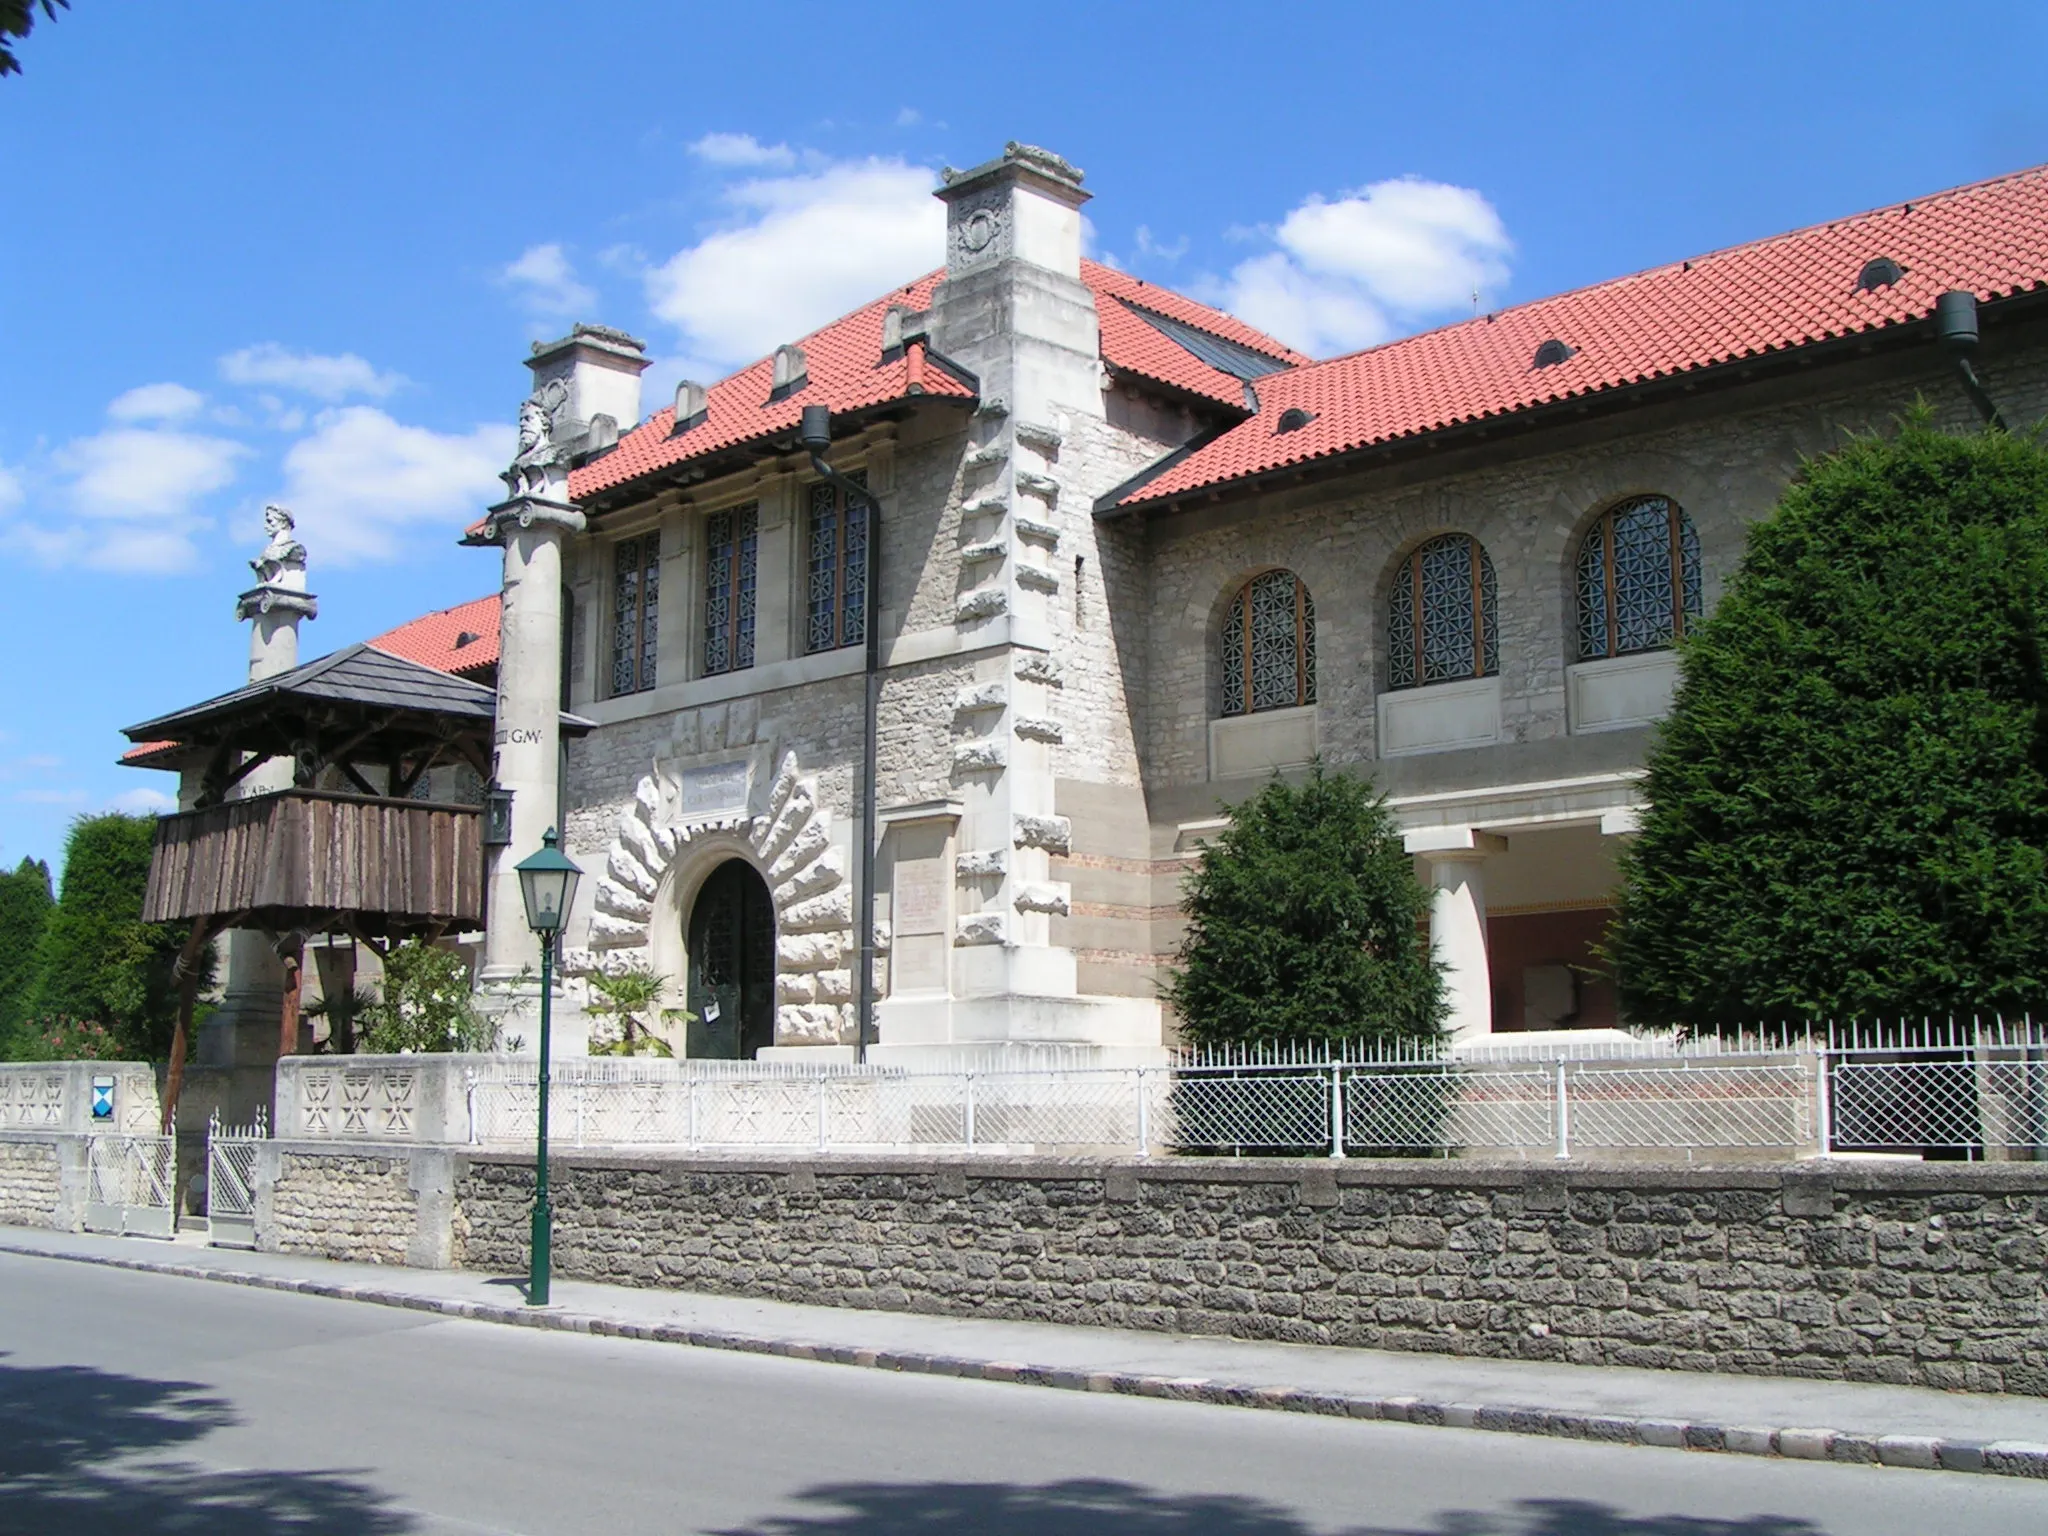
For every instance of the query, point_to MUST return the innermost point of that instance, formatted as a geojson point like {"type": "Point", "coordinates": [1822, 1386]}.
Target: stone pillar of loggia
{"type": "Point", "coordinates": [1455, 858]}
{"type": "Point", "coordinates": [243, 1030]}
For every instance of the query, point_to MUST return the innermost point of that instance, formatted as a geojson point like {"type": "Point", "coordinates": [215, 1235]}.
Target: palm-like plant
{"type": "Point", "coordinates": [631, 998]}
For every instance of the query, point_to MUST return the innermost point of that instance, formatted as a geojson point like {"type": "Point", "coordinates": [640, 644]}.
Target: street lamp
{"type": "Point", "coordinates": [547, 884]}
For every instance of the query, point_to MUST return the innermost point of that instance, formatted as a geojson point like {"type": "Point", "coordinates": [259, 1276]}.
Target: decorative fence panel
{"type": "Point", "coordinates": [129, 1184]}
{"type": "Point", "coordinates": [1961, 1090]}
{"type": "Point", "coordinates": [231, 1181]}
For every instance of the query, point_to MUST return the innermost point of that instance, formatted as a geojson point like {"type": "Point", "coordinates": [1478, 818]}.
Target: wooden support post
{"type": "Point", "coordinates": [291, 950]}
{"type": "Point", "coordinates": [186, 974]}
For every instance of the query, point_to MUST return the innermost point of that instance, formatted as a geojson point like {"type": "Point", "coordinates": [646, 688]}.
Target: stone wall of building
{"type": "Point", "coordinates": [31, 1180]}
{"type": "Point", "coordinates": [1929, 1275]}
{"type": "Point", "coordinates": [1726, 462]}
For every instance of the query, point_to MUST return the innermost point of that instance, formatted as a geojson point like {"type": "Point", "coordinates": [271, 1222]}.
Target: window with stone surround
{"type": "Point", "coordinates": [1441, 615]}
{"type": "Point", "coordinates": [636, 592]}
{"type": "Point", "coordinates": [836, 591]}
{"type": "Point", "coordinates": [1638, 578]}
{"type": "Point", "coordinates": [1267, 657]}
{"type": "Point", "coordinates": [731, 538]}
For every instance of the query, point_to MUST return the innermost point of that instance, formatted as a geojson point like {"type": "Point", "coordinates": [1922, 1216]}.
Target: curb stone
{"type": "Point", "coordinates": [2000, 1458]}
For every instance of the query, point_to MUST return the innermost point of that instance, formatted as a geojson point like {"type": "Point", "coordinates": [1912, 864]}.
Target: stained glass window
{"type": "Point", "coordinates": [731, 539]}
{"type": "Point", "coordinates": [837, 584]}
{"type": "Point", "coordinates": [636, 592]}
{"type": "Point", "coordinates": [1443, 615]}
{"type": "Point", "coordinates": [1638, 578]}
{"type": "Point", "coordinates": [1267, 652]}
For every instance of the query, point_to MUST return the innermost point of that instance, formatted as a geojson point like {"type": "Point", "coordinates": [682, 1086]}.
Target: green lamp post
{"type": "Point", "coordinates": [547, 883]}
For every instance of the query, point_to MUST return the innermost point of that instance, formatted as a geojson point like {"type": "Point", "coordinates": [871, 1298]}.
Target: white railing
{"type": "Point", "coordinates": [231, 1180]}
{"type": "Point", "coordinates": [130, 1181]}
{"type": "Point", "coordinates": [1944, 1089]}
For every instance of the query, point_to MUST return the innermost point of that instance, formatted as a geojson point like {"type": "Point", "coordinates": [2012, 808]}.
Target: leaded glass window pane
{"type": "Point", "coordinates": [747, 535]}
{"type": "Point", "coordinates": [718, 581]}
{"type": "Point", "coordinates": [1638, 579]}
{"type": "Point", "coordinates": [1231, 658]}
{"type": "Point", "coordinates": [1267, 647]}
{"type": "Point", "coordinates": [836, 588]}
{"type": "Point", "coordinates": [636, 595]}
{"type": "Point", "coordinates": [1443, 615]}
{"type": "Point", "coordinates": [1593, 593]}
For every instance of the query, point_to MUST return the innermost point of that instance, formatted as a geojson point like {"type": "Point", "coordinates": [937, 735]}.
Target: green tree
{"type": "Point", "coordinates": [98, 962]}
{"type": "Point", "coordinates": [25, 903]}
{"type": "Point", "coordinates": [424, 1004]}
{"type": "Point", "coordinates": [1305, 923]}
{"type": "Point", "coordinates": [1848, 806]}
{"type": "Point", "coordinates": [18, 19]}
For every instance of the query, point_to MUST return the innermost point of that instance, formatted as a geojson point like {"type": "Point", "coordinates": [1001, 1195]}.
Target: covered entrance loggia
{"type": "Point", "coordinates": [731, 938]}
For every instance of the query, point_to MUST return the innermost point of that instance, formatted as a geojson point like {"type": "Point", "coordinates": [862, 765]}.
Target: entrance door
{"type": "Point", "coordinates": [732, 964]}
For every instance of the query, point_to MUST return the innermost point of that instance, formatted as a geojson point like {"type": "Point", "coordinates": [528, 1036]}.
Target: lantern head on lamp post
{"type": "Point", "coordinates": [547, 884]}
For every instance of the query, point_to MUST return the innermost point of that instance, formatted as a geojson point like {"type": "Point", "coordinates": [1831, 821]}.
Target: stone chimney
{"type": "Point", "coordinates": [598, 370]}
{"type": "Point", "coordinates": [1026, 205]}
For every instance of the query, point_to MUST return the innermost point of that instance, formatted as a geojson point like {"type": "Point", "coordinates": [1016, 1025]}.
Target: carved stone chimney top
{"type": "Point", "coordinates": [1025, 205]}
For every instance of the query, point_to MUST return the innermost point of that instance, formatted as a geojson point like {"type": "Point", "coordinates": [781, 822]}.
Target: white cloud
{"type": "Point", "coordinates": [807, 248]}
{"type": "Point", "coordinates": [124, 499]}
{"type": "Point", "coordinates": [908, 117]}
{"type": "Point", "coordinates": [743, 149]}
{"type": "Point", "coordinates": [11, 492]}
{"type": "Point", "coordinates": [360, 480]}
{"type": "Point", "coordinates": [51, 796]}
{"type": "Point", "coordinates": [156, 402]}
{"type": "Point", "coordinates": [1349, 272]}
{"type": "Point", "coordinates": [307, 373]}
{"type": "Point", "coordinates": [143, 802]}
{"type": "Point", "coordinates": [547, 282]}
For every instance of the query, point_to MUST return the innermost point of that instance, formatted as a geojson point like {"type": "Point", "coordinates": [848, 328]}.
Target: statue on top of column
{"type": "Point", "coordinates": [539, 466]}
{"type": "Point", "coordinates": [283, 561]}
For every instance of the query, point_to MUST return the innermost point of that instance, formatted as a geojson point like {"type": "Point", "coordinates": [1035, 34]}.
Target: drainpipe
{"type": "Point", "coordinates": [1955, 322]}
{"type": "Point", "coordinates": [816, 436]}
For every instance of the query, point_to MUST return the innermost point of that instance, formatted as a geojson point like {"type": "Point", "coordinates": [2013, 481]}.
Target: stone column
{"type": "Point", "coordinates": [1455, 858]}
{"type": "Point", "coordinates": [243, 1031]}
{"type": "Point", "coordinates": [527, 756]}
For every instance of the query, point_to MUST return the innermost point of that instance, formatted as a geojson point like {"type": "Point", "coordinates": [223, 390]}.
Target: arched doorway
{"type": "Point", "coordinates": [732, 964]}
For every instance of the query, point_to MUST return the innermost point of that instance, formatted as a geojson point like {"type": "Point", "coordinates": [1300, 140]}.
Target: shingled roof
{"type": "Point", "coordinates": [1769, 296]}
{"type": "Point", "coordinates": [849, 371]}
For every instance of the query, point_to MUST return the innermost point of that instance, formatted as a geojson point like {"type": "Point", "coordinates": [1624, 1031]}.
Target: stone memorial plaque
{"type": "Point", "coordinates": [920, 896]}
{"type": "Point", "coordinates": [714, 788]}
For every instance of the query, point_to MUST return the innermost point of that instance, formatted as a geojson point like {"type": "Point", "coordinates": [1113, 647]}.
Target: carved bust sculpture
{"type": "Point", "coordinates": [536, 454]}
{"type": "Point", "coordinates": [283, 561]}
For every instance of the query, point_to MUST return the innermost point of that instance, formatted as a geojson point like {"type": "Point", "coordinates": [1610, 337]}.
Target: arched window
{"type": "Point", "coordinates": [1441, 615]}
{"type": "Point", "coordinates": [1268, 645]}
{"type": "Point", "coordinates": [1639, 578]}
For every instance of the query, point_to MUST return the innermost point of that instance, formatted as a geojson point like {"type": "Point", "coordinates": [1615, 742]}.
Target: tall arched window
{"type": "Point", "coordinates": [1268, 645]}
{"type": "Point", "coordinates": [1441, 615]}
{"type": "Point", "coordinates": [1639, 578]}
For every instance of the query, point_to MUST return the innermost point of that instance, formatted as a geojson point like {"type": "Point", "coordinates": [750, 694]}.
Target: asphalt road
{"type": "Point", "coordinates": [141, 1404]}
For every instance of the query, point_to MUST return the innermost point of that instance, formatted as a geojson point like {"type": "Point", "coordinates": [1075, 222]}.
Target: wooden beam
{"type": "Point", "coordinates": [186, 974]}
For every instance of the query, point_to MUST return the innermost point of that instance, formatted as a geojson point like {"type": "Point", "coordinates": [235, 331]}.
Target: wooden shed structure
{"type": "Point", "coordinates": [349, 848]}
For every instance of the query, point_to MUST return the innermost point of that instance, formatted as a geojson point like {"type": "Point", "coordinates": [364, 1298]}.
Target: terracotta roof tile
{"type": "Point", "coordinates": [436, 640]}
{"type": "Point", "coordinates": [1788, 291]}
{"type": "Point", "coordinates": [848, 372]}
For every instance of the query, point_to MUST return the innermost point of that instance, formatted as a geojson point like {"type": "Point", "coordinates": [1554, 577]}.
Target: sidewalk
{"type": "Point", "coordinates": [1745, 1415]}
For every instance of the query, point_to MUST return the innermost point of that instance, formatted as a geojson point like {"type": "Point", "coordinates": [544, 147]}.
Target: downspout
{"type": "Point", "coordinates": [1955, 323]}
{"type": "Point", "coordinates": [816, 436]}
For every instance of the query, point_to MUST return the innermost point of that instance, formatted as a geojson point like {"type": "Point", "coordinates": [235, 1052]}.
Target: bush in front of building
{"type": "Point", "coordinates": [25, 903]}
{"type": "Point", "coordinates": [1848, 806]}
{"type": "Point", "coordinates": [424, 1003]}
{"type": "Point", "coordinates": [1305, 923]}
{"type": "Point", "coordinates": [97, 961]}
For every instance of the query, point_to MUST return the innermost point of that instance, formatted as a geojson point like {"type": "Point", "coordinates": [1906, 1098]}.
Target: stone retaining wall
{"type": "Point", "coordinates": [1926, 1274]}
{"type": "Point", "coordinates": [31, 1183]}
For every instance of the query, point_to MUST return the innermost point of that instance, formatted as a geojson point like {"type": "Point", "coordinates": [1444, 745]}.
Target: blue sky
{"type": "Point", "coordinates": [254, 252]}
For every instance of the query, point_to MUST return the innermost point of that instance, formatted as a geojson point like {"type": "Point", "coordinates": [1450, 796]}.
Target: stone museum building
{"type": "Point", "coordinates": [1068, 562]}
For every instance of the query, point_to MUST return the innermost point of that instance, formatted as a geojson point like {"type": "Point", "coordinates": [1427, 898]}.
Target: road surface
{"type": "Point", "coordinates": [146, 1404]}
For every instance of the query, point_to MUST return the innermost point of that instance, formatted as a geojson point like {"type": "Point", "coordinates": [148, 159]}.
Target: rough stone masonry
{"type": "Point", "coordinates": [1910, 1274]}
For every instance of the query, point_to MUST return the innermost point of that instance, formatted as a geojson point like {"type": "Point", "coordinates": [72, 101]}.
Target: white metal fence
{"type": "Point", "coordinates": [129, 1184]}
{"type": "Point", "coordinates": [231, 1180]}
{"type": "Point", "coordinates": [1950, 1089]}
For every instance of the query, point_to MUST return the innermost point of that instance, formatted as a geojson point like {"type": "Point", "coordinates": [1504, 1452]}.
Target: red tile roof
{"type": "Point", "coordinates": [436, 640]}
{"type": "Point", "coordinates": [141, 755]}
{"type": "Point", "coordinates": [1784, 292]}
{"type": "Point", "coordinates": [848, 372]}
